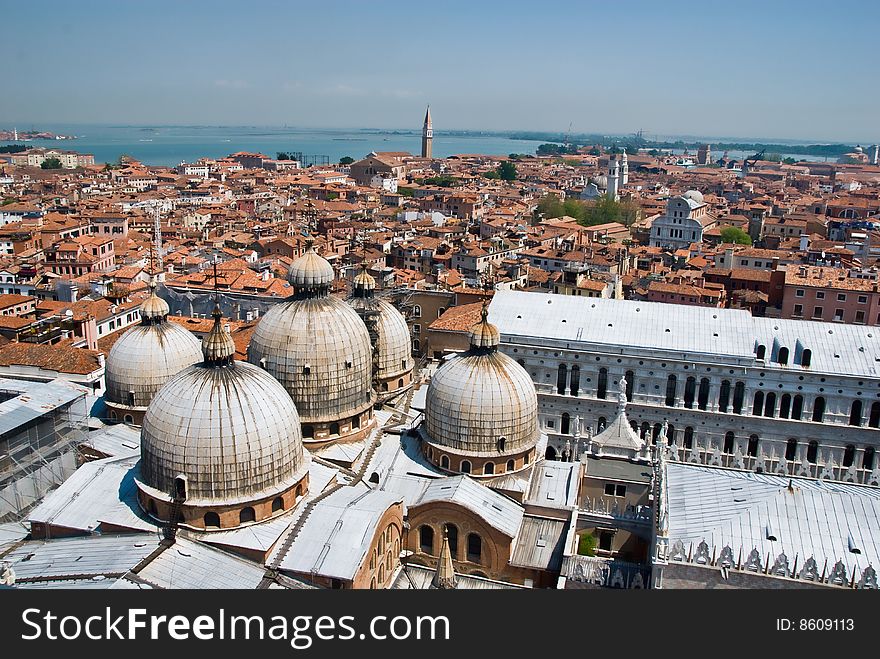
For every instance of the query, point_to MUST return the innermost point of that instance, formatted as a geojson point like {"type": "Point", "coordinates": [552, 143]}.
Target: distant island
{"type": "Point", "coordinates": [15, 135]}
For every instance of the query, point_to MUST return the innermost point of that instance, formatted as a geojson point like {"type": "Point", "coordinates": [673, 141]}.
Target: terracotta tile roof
{"type": "Point", "coordinates": [52, 358]}
{"type": "Point", "coordinates": [458, 319]}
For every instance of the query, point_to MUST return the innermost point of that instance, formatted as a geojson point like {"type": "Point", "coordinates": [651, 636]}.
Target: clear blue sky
{"type": "Point", "coordinates": [784, 69]}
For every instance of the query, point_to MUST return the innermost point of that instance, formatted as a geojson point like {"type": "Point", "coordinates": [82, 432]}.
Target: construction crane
{"type": "Point", "coordinates": [566, 141]}
{"type": "Point", "coordinates": [748, 162]}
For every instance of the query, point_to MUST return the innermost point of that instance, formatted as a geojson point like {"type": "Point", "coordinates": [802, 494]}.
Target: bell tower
{"type": "Point", "coordinates": [427, 135]}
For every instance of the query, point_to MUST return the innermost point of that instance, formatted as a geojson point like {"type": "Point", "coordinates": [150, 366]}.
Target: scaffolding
{"type": "Point", "coordinates": [42, 427]}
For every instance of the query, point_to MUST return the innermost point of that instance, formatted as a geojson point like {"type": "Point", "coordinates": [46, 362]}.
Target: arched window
{"type": "Point", "coordinates": [655, 432]}
{"type": "Point", "coordinates": [855, 413]}
{"type": "Point", "coordinates": [784, 406]}
{"type": "Point", "coordinates": [724, 396]}
{"type": "Point", "coordinates": [128, 418]}
{"type": "Point", "coordinates": [602, 387]}
{"type": "Point", "coordinates": [753, 446]}
{"type": "Point", "coordinates": [247, 515]}
{"type": "Point", "coordinates": [758, 404]}
{"type": "Point", "coordinates": [511, 465]}
{"type": "Point", "coordinates": [874, 419]}
{"type": "Point", "coordinates": [797, 407]}
{"type": "Point", "coordinates": [417, 311]}
{"type": "Point", "coordinates": [729, 442]}
{"type": "Point", "coordinates": [550, 453]}
{"type": "Point", "coordinates": [400, 383]}
{"type": "Point", "coordinates": [791, 449]}
{"type": "Point", "coordinates": [868, 458]}
{"type": "Point", "coordinates": [277, 504]}
{"type": "Point", "coordinates": [670, 433]}
{"type": "Point", "coordinates": [444, 462]}
{"type": "Point", "coordinates": [417, 346]}
{"type": "Point", "coordinates": [762, 350]}
{"type": "Point", "coordinates": [489, 468]}
{"type": "Point", "coordinates": [334, 428]}
{"type": "Point", "coordinates": [703, 397]}
{"type": "Point", "coordinates": [812, 451]}
{"type": "Point", "coordinates": [646, 428]}
{"type": "Point", "coordinates": [426, 539]}
{"type": "Point", "coordinates": [670, 391]}
{"type": "Point", "coordinates": [806, 358]}
{"type": "Point", "coordinates": [502, 442]}
{"type": "Point", "coordinates": [849, 455]}
{"type": "Point", "coordinates": [566, 423]}
{"type": "Point", "coordinates": [690, 390]}
{"type": "Point", "coordinates": [770, 404]}
{"type": "Point", "coordinates": [561, 377]}
{"type": "Point", "coordinates": [212, 521]}
{"type": "Point", "coordinates": [688, 437]}
{"type": "Point", "coordinates": [819, 409]}
{"type": "Point", "coordinates": [465, 466]}
{"type": "Point", "coordinates": [356, 422]}
{"type": "Point", "coordinates": [575, 380]}
{"type": "Point", "coordinates": [474, 548]}
{"type": "Point", "coordinates": [782, 358]}
{"type": "Point", "coordinates": [308, 431]}
{"type": "Point", "coordinates": [600, 424]}
{"type": "Point", "coordinates": [630, 385]}
{"type": "Point", "coordinates": [739, 397]}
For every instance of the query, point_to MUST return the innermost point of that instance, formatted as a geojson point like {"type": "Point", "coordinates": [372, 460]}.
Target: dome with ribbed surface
{"type": "Point", "coordinates": [311, 271]}
{"type": "Point", "coordinates": [143, 359]}
{"type": "Point", "coordinates": [319, 349]}
{"type": "Point", "coordinates": [154, 307]}
{"type": "Point", "coordinates": [231, 430]}
{"type": "Point", "coordinates": [392, 335]}
{"type": "Point", "coordinates": [482, 402]}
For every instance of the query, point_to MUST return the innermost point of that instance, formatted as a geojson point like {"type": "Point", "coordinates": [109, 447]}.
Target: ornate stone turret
{"type": "Point", "coordinates": [619, 439]}
{"type": "Point", "coordinates": [444, 575]}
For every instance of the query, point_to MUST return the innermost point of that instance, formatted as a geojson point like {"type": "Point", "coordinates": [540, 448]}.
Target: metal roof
{"type": "Point", "coordinates": [188, 564]}
{"type": "Point", "coordinates": [540, 543]}
{"type": "Point", "coordinates": [621, 470]}
{"type": "Point", "coordinates": [99, 491]}
{"type": "Point", "coordinates": [420, 579]}
{"type": "Point", "coordinates": [10, 533]}
{"type": "Point", "coordinates": [837, 348]}
{"type": "Point", "coordinates": [116, 440]}
{"type": "Point", "coordinates": [496, 510]}
{"type": "Point", "coordinates": [741, 509]}
{"type": "Point", "coordinates": [336, 537]}
{"type": "Point", "coordinates": [33, 400]}
{"type": "Point", "coordinates": [554, 484]}
{"type": "Point", "coordinates": [80, 557]}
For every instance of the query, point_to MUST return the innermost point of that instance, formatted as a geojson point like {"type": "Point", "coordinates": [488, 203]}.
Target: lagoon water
{"type": "Point", "coordinates": [171, 145]}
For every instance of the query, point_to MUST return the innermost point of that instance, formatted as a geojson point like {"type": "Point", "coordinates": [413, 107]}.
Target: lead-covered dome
{"type": "Point", "coordinates": [311, 270]}
{"type": "Point", "coordinates": [694, 195]}
{"type": "Point", "coordinates": [143, 359]}
{"type": "Point", "coordinates": [481, 408]}
{"type": "Point", "coordinates": [223, 438]}
{"type": "Point", "coordinates": [390, 336]}
{"type": "Point", "coordinates": [319, 349]}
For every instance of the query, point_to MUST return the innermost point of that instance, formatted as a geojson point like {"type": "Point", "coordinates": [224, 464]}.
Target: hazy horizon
{"type": "Point", "coordinates": [681, 69]}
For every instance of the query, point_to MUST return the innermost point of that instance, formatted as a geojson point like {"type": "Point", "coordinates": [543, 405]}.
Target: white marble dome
{"type": "Point", "coordinates": [228, 427]}
{"type": "Point", "coordinates": [143, 359]}
{"type": "Point", "coordinates": [482, 402]}
{"type": "Point", "coordinates": [695, 195]}
{"type": "Point", "coordinates": [317, 347]}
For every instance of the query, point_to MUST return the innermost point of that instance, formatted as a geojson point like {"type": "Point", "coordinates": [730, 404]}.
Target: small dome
{"type": "Point", "coordinates": [484, 334]}
{"type": "Point", "coordinates": [218, 346]}
{"type": "Point", "coordinates": [154, 307]}
{"type": "Point", "coordinates": [363, 282]}
{"type": "Point", "coordinates": [311, 271]}
{"type": "Point", "coordinates": [230, 430]}
{"type": "Point", "coordinates": [143, 359]}
{"type": "Point", "coordinates": [695, 195]}
{"type": "Point", "coordinates": [482, 402]}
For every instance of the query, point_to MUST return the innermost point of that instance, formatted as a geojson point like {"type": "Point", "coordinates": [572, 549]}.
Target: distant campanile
{"type": "Point", "coordinates": [427, 135]}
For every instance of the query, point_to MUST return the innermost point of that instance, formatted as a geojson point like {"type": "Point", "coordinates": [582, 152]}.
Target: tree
{"type": "Point", "coordinates": [404, 191]}
{"type": "Point", "coordinates": [789, 161]}
{"type": "Point", "coordinates": [51, 163]}
{"type": "Point", "coordinates": [346, 160]}
{"type": "Point", "coordinates": [735, 235]}
{"type": "Point", "coordinates": [507, 171]}
{"type": "Point", "coordinates": [492, 174]}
